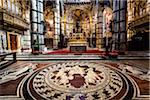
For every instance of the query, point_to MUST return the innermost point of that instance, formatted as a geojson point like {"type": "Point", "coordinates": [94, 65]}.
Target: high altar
{"type": "Point", "coordinates": [77, 40]}
{"type": "Point", "coordinates": [77, 43]}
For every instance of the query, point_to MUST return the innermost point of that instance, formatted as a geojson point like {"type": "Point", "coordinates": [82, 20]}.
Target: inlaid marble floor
{"type": "Point", "coordinates": [74, 80]}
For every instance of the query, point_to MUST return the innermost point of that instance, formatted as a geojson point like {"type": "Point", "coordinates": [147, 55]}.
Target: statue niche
{"type": "Point", "coordinates": [78, 28]}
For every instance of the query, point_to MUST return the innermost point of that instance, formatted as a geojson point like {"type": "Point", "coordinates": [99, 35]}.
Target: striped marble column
{"type": "Point", "coordinates": [37, 20]}
{"type": "Point", "coordinates": [120, 34]}
{"type": "Point", "coordinates": [57, 25]}
{"type": "Point", "coordinates": [100, 29]}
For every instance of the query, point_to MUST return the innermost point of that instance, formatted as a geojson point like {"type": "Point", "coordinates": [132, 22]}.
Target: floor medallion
{"type": "Point", "coordinates": [77, 81]}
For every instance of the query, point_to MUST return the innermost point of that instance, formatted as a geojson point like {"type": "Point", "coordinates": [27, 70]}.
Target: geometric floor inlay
{"type": "Point", "coordinates": [77, 81]}
{"type": "Point", "coordinates": [80, 78]}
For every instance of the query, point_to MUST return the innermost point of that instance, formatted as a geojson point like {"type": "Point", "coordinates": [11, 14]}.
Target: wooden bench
{"type": "Point", "coordinates": [4, 63]}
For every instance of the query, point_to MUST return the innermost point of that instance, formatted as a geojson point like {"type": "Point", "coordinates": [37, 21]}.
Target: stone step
{"type": "Point", "coordinates": [10, 98]}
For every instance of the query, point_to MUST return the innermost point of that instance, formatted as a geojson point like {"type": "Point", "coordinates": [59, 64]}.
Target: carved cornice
{"type": "Point", "coordinates": [139, 21]}
{"type": "Point", "coordinates": [14, 20]}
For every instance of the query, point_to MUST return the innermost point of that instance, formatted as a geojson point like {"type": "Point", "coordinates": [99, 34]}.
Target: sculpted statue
{"type": "Point", "coordinates": [78, 25]}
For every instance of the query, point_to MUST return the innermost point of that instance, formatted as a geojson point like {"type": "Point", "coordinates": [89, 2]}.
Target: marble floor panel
{"type": "Point", "coordinates": [75, 80]}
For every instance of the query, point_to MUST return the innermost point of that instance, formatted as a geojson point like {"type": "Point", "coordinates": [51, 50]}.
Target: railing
{"type": "Point", "coordinates": [4, 63]}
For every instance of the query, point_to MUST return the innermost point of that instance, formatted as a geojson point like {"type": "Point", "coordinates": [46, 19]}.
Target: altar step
{"type": "Point", "coordinates": [30, 57]}
{"type": "Point", "coordinates": [66, 52]}
{"type": "Point", "coordinates": [56, 57]}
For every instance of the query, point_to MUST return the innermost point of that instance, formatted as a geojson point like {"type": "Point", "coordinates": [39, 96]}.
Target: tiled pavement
{"type": "Point", "coordinates": [139, 62]}
{"type": "Point", "coordinates": [9, 87]}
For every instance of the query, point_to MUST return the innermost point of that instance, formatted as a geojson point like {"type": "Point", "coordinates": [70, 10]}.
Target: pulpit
{"type": "Point", "coordinates": [77, 43]}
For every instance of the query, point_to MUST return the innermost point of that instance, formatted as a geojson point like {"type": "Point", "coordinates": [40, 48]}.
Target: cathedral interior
{"type": "Point", "coordinates": [74, 50]}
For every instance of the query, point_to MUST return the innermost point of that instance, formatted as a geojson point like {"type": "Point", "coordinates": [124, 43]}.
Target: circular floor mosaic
{"type": "Point", "coordinates": [77, 81]}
